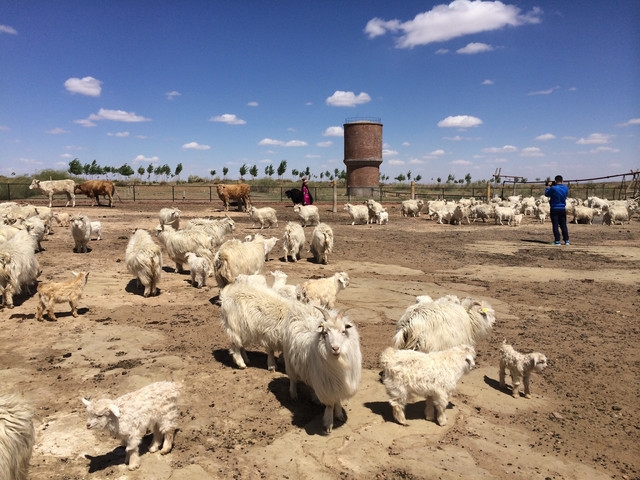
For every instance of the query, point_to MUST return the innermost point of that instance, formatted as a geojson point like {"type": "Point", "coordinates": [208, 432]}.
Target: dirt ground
{"type": "Point", "coordinates": [578, 304]}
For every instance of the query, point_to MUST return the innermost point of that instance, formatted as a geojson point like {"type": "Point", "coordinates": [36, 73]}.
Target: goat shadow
{"type": "Point", "coordinates": [117, 455]}
{"type": "Point", "coordinates": [495, 384]}
{"type": "Point", "coordinates": [412, 411]}
{"type": "Point", "coordinates": [132, 287]}
{"type": "Point", "coordinates": [89, 250]}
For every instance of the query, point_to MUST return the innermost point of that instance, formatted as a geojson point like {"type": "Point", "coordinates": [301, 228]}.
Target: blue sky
{"type": "Point", "coordinates": [534, 88]}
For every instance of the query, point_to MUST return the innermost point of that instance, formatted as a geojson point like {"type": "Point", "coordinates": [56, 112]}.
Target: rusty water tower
{"type": "Point", "coordinates": [362, 155]}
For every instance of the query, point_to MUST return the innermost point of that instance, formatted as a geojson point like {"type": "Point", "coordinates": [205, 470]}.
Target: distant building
{"type": "Point", "coordinates": [362, 155]}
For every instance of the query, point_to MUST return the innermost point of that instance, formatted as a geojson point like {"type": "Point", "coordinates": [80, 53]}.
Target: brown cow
{"type": "Point", "coordinates": [240, 193]}
{"type": "Point", "coordinates": [94, 188]}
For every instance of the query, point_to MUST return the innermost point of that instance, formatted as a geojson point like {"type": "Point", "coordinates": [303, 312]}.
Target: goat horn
{"type": "Point", "coordinates": [325, 314]}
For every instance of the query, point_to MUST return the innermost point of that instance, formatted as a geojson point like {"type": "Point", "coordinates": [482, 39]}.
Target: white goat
{"type": "Point", "coordinates": [520, 367]}
{"type": "Point", "coordinates": [199, 267]}
{"type": "Point", "coordinates": [61, 218]}
{"type": "Point", "coordinates": [235, 257]}
{"type": "Point", "coordinates": [309, 214]}
{"type": "Point", "coordinates": [96, 230]}
{"type": "Point", "coordinates": [37, 230]}
{"type": "Point", "coordinates": [459, 213]}
{"type": "Point", "coordinates": [323, 291]}
{"type": "Point", "coordinates": [170, 216]}
{"type": "Point", "coordinates": [216, 228]}
{"type": "Point", "coordinates": [324, 353]}
{"type": "Point", "coordinates": [482, 211]}
{"type": "Point", "coordinates": [179, 242]}
{"type": "Point", "coordinates": [411, 208]}
{"type": "Point", "coordinates": [81, 232]}
{"type": "Point", "coordinates": [255, 280]}
{"type": "Point", "coordinates": [51, 187]}
{"type": "Point", "coordinates": [433, 376]}
{"type": "Point", "coordinates": [321, 243]}
{"type": "Point", "coordinates": [504, 214]}
{"type": "Point", "coordinates": [382, 218]}
{"type": "Point", "coordinates": [264, 215]}
{"type": "Point", "coordinates": [281, 287]}
{"type": "Point", "coordinates": [61, 292]}
{"type": "Point", "coordinates": [293, 241]}
{"type": "Point", "coordinates": [357, 213]}
{"type": "Point", "coordinates": [17, 437]}
{"type": "Point", "coordinates": [373, 207]}
{"type": "Point", "coordinates": [253, 314]}
{"type": "Point", "coordinates": [143, 258]}
{"type": "Point", "coordinates": [129, 417]}
{"type": "Point", "coordinates": [18, 266]}
{"type": "Point", "coordinates": [582, 214]}
{"type": "Point", "coordinates": [434, 326]}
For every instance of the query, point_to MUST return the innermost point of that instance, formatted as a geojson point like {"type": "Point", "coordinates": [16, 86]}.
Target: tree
{"type": "Point", "coordinates": [75, 167]}
{"type": "Point", "coordinates": [243, 170]}
{"type": "Point", "coordinates": [467, 178]}
{"type": "Point", "coordinates": [282, 168]}
{"type": "Point", "coordinates": [409, 175]}
{"type": "Point", "coordinates": [85, 168]}
{"type": "Point", "coordinates": [125, 170]}
{"type": "Point", "coordinates": [253, 171]}
{"type": "Point", "coordinates": [141, 171]}
{"type": "Point", "coordinates": [451, 178]}
{"type": "Point", "coordinates": [269, 170]}
{"type": "Point", "coordinates": [157, 171]}
{"type": "Point", "coordinates": [295, 172]}
{"type": "Point", "coordinates": [178, 170]}
{"type": "Point", "coordinates": [225, 170]}
{"type": "Point", "coordinates": [95, 169]}
{"type": "Point", "coordinates": [149, 171]}
{"type": "Point", "coordinates": [418, 178]}
{"type": "Point", "coordinates": [439, 180]}
{"type": "Point", "coordinates": [400, 178]}
{"type": "Point", "coordinates": [213, 173]}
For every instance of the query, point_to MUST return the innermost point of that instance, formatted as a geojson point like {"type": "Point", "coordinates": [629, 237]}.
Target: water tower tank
{"type": "Point", "coordinates": [362, 155]}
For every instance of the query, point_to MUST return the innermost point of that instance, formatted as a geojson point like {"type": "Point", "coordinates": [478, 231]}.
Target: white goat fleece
{"type": "Point", "coordinates": [323, 351]}
{"type": "Point", "coordinates": [357, 213]}
{"type": "Point", "coordinates": [17, 437]}
{"type": "Point", "coordinates": [382, 218]}
{"type": "Point", "coordinates": [19, 266]}
{"type": "Point", "coordinates": [81, 232]}
{"type": "Point", "coordinates": [199, 268]}
{"type": "Point", "coordinates": [280, 285]}
{"type": "Point", "coordinates": [37, 230]}
{"type": "Point", "coordinates": [152, 408]}
{"type": "Point", "coordinates": [433, 376]}
{"type": "Point", "coordinates": [520, 367]}
{"type": "Point", "coordinates": [321, 243]}
{"type": "Point", "coordinates": [216, 228]}
{"type": "Point", "coordinates": [96, 230]}
{"type": "Point", "coordinates": [235, 257]}
{"type": "Point", "coordinates": [143, 258]}
{"type": "Point", "coordinates": [323, 291]}
{"type": "Point", "coordinates": [263, 216]}
{"type": "Point", "coordinates": [179, 242]}
{"type": "Point", "coordinates": [293, 241]}
{"type": "Point", "coordinates": [170, 216]}
{"type": "Point", "coordinates": [373, 207]}
{"type": "Point", "coordinates": [309, 214]}
{"type": "Point", "coordinates": [252, 314]}
{"type": "Point", "coordinates": [411, 208]}
{"type": "Point", "coordinates": [439, 325]}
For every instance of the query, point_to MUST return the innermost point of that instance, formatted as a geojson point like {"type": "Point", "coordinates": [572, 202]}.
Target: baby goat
{"type": "Point", "coordinates": [520, 367]}
{"type": "Point", "coordinates": [60, 292]}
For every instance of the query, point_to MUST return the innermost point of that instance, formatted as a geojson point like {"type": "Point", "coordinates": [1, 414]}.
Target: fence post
{"type": "Point", "coordinates": [335, 196]}
{"type": "Point", "coordinates": [413, 190]}
{"type": "Point", "coordinates": [173, 194]}
{"type": "Point", "coordinates": [8, 191]}
{"type": "Point", "coordinates": [209, 193]}
{"type": "Point", "coordinates": [134, 194]}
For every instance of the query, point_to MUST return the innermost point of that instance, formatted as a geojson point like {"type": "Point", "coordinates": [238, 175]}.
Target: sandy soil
{"type": "Point", "coordinates": [578, 304]}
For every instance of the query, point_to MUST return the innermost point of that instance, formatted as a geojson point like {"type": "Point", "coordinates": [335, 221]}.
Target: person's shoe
{"type": "Point", "coordinates": [555, 243]}
{"type": "Point", "coordinates": [567, 243]}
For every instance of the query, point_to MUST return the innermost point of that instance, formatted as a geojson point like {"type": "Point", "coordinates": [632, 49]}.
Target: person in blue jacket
{"type": "Point", "coordinates": [557, 193]}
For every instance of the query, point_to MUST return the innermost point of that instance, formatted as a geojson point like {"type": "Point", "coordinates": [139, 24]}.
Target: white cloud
{"type": "Point", "coordinates": [347, 99]}
{"type": "Point", "coordinates": [328, 143]}
{"type": "Point", "coordinates": [595, 139]}
{"type": "Point", "coordinates": [604, 150]}
{"type": "Point", "coordinates": [4, 128]}
{"type": "Point", "coordinates": [113, 115]}
{"type": "Point", "coordinates": [459, 18]}
{"type": "Point", "coordinates": [8, 29]}
{"type": "Point", "coordinates": [387, 152]}
{"type": "Point", "coordinates": [457, 138]}
{"type": "Point", "coordinates": [487, 82]}
{"type": "Point", "coordinates": [437, 152]}
{"type": "Point", "coordinates": [195, 146]}
{"type": "Point", "coordinates": [461, 162]}
{"type": "Point", "coordinates": [395, 161]}
{"type": "Point", "coordinates": [546, 136]}
{"type": "Point", "coordinates": [415, 161]}
{"type": "Point", "coordinates": [228, 118]}
{"type": "Point", "coordinates": [57, 131]}
{"type": "Point", "coordinates": [442, 51]}
{"type": "Point", "coordinates": [632, 121]}
{"type": "Point", "coordinates": [460, 121]}
{"type": "Point", "coordinates": [333, 132]}
{"type": "Point", "coordinates": [252, 104]}
{"type": "Point", "coordinates": [84, 86]}
{"type": "Point", "coordinates": [66, 155]}
{"type": "Point", "coordinates": [543, 92]}
{"type": "Point", "coordinates": [280, 143]}
{"type": "Point", "coordinates": [118, 134]}
{"type": "Point", "coordinates": [143, 159]}
{"type": "Point", "coordinates": [172, 94]}
{"type": "Point", "coordinates": [531, 152]}
{"type": "Point", "coordinates": [505, 149]}
{"type": "Point", "coordinates": [406, 144]}
{"type": "Point", "coordinates": [474, 47]}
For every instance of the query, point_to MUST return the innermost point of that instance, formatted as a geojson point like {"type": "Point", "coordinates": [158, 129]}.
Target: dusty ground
{"type": "Point", "coordinates": [578, 304]}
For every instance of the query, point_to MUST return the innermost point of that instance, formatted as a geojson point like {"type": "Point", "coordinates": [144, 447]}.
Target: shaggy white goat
{"type": "Point", "coordinates": [309, 214]}
{"type": "Point", "coordinates": [293, 241]}
{"type": "Point", "coordinates": [253, 314]}
{"type": "Point", "coordinates": [264, 215]}
{"type": "Point", "coordinates": [323, 291]}
{"type": "Point", "coordinates": [179, 242]}
{"type": "Point", "coordinates": [61, 292]}
{"type": "Point", "coordinates": [433, 376]}
{"type": "Point", "coordinates": [482, 211]}
{"type": "Point", "coordinates": [96, 230]}
{"type": "Point", "coordinates": [520, 367]}
{"type": "Point", "coordinates": [18, 266]}
{"type": "Point", "coordinates": [460, 212]}
{"type": "Point", "coordinates": [81, 232]}
{"type": "Point", "coordinates": [321, 243]}
{"type": "Point", "coordinates": [281, 287]}
{"type": "Point", "coordinates": [216, 228]}
{"type": "Point", "coordinates": [199, 267]}
{"type": "Point", "coordinates": [129, 417]}
{"type": "Point", "coordinates": [504, 214]}
{"type": "Point", "coordinates": [517, 219]}
{"type": "Point", "coordinates": [434, 326]}
{"type": "Point", "coordinates": [170, 216]}
{"type": "Point", "coordinates": [17, 437]}
{"type": "Point", "coordinates": [62, 218]}
{"type": "Point", "coordinates": [37, 230]}
{"type": "Point", "coordinates": [382, 218]}
{"type": "Point", "coordinates": [143, 258]}
{"type": "Point", "coordinates": [411, 208]}
{"type": "Point", "coordinates": [255, 280]}
{"type": "Point", "coordinates": [324, 353]}
{"type": "Point", "coordinates": [357, 213]}
{"type": "Point", "coordinates": [373, 208]}
{"type": "Point", "coordinates": [235, 257]}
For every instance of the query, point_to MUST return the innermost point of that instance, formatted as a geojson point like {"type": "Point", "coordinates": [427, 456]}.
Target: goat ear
{"type": "Point", "coordinates": [85, 401]}
{"type": "Point", "coordinates": [115, 410]}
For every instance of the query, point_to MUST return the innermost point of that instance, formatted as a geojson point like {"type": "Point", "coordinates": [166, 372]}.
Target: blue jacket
{"type": "Point", "coordinates": [557, 196]}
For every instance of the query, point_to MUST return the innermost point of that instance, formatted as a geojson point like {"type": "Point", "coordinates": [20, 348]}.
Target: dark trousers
{"type": "Point", "coordinates": [559, 224]}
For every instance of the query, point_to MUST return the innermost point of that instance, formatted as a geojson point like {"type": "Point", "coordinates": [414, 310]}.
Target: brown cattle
{"type": "Point", "coordinates": [240, 193]}
{"type": "Point", "coordinates": [94, 188]}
